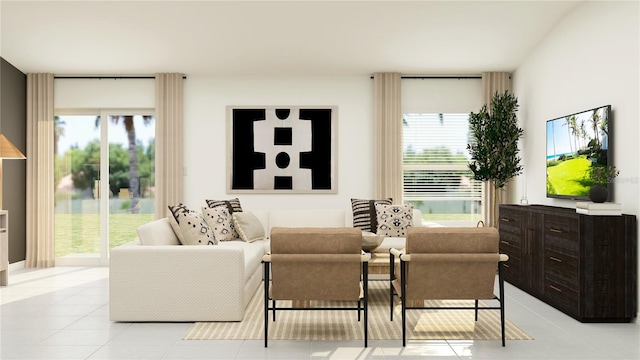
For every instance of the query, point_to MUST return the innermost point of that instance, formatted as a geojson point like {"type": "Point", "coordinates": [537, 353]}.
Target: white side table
{"type": "Point", "coordinates": [4, 247]}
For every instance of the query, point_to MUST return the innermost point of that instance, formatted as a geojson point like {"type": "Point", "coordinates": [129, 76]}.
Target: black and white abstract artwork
{"type": "Point", "coordinates": [279, 149]}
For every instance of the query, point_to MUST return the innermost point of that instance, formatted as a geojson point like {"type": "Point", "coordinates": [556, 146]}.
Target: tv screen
{"type": "Point", "coordinates": [575, 144]}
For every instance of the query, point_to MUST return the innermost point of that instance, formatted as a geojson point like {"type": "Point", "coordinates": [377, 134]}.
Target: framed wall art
{"type": "Point", "coordinates": [281, 149]}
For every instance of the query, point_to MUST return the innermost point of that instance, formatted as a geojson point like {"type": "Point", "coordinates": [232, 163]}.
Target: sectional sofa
{"type": "Point", "coordinates": [154, 278]}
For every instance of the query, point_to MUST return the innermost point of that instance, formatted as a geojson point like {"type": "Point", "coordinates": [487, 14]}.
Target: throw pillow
{"type": "Point", "coordinates": [364, 213]}
{"type": "Point", "coordinates": [175, 211]}
{"type": "Point", "coordinates": [233, 205]}
{"type": "Point", "coordinates": [393, 220]}
{"type": "Point", "coordinates": [248, 226]}
{"type": "Point", "coordinates": [221, 222]}
{"type": "Point", "coordinates": [195, 229]}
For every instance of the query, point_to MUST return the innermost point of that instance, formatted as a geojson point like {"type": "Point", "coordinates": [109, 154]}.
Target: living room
{"type": "Point", "coordinates": [586, 58]}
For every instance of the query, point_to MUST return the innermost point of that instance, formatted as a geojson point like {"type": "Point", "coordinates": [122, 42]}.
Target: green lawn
{"type": "Point", "coordinates": [561, 178]}
{"type": "Point", "coordinates": [80, 233]}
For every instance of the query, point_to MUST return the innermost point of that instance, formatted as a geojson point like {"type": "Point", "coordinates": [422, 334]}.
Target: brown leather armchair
{"type": "Point", "coordinates": [315, 264]}
{"type": "Point", "coordinates": [448, 263]}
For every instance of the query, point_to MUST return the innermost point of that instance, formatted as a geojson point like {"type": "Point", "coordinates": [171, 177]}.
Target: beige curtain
{"type": "Point", "coordinates": [388, 136]}
{"type": "Point", "coordinates": [493, 82]}
{"type": "Point", "coordinates": [169, 142]}
{"type": "Point", "coordinates": [40, 184]}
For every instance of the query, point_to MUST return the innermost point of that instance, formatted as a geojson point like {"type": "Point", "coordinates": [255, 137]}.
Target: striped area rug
{"type": "Point", "coordinates": [343, 325]}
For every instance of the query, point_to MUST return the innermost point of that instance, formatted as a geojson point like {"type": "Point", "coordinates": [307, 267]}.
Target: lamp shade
{"type": "Point", "coordinates": [8, 150]}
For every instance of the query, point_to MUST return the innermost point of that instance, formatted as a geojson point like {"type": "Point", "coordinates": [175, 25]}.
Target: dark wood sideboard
{"type": "Point", "coordinates": [584, 266]}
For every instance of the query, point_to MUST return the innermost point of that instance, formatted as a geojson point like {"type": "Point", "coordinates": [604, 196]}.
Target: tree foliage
{"type": "Point", "coordinates": [495, 134]}
{"type": "Point", "coordinates": [85, 166]}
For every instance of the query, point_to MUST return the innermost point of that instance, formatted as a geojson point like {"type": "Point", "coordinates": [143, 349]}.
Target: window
{"type": "Point", "coordinates": [437, 179]}
{"type": "Point", "coordinates": [105, 181]}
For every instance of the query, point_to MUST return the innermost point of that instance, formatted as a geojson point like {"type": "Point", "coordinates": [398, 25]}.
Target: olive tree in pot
{"type": "Point", "coordinates": [494, 145]}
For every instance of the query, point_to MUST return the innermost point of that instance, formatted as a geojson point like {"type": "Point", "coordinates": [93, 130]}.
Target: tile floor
{"type": "Point", "coordinates": [62, 313]}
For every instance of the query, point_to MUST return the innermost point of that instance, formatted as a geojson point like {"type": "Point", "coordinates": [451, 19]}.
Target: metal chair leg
{"type": "Point", "coordinates": [501, 285]}
{"type": "Point", "coordinates": [403, 290]}
{"type": "Point", "coordinates": [392, 260]}
{"type": "Point", "coordinates": [266, 303]}
{"type": "Point", "coordinates": [365, 275]}
{"type": "Point", "coordinates": [476, 309]}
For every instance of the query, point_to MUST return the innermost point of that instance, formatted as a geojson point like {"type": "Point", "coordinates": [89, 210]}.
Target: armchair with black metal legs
{"type": "Point", "coordinates": [448, 264]}
{"type": "Point", "coordinates": [307, 264]}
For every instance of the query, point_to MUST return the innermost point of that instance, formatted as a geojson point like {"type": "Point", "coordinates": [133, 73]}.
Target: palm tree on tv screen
{"type": "Point", "coordinates": [595, 124]}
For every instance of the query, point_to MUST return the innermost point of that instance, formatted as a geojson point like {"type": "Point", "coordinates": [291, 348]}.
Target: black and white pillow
{"type": "Point", "coordinates": [221, 222]}
{"type": "Point", "coordinates": [394, 220]}
{"type": "Point", "coordinates": [195, 230]}
{"type": "Point", "coordinates": [233, 205]}
{"type": "Point", "coordinates": [174, 216]}
{"type": "Point", "coordinates": [364, 213]}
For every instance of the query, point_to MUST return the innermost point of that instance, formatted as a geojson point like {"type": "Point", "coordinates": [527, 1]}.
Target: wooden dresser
{"type": "Point", "coordinates": [585, 266]}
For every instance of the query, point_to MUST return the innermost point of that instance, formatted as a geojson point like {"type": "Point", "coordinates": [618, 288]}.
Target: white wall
{"type": "Point", "coordinates": [206, 99]}
{"type": "Point", "coordinates": [590, 59]}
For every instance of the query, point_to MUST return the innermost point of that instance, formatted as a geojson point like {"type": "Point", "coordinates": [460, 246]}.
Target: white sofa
{"type": "Point", "coordinates": [166, 281]}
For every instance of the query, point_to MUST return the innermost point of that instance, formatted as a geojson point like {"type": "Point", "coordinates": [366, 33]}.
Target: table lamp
{"type": "Point", "coordinates": [7, 151]}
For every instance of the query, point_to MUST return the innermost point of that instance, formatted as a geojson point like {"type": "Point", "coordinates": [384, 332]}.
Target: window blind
{"type": "Point", "coordinates": [435, 158]}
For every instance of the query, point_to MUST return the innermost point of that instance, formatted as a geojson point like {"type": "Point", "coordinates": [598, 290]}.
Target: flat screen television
{"type": "Point", "coordinates": [575, 143]}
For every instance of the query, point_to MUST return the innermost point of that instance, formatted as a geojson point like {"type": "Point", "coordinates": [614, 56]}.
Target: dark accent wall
{"type": "Point", "coordinates": [13, 124]}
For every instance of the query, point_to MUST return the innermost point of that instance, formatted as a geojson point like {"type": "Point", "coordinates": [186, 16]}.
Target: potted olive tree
{"type": "Point", "coordinates": [494, 144]}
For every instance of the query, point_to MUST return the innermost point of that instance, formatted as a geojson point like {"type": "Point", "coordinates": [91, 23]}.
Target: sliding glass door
{"type": "Point", "coordinates": [104, 176]}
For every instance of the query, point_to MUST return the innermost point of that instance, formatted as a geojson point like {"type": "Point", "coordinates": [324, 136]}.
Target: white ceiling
{"type": "Point", "coordinates": [273, 38]}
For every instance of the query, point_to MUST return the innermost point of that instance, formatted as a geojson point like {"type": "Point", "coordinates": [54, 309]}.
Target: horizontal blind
{"type": "Point", "coordinates": [435, 138]}
{"type": "Point", "coordinates": [452, 95]}
{"type": "Point", "coordinates": [435, 158]}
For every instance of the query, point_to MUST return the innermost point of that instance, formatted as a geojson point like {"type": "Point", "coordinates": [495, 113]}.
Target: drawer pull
{"type": "Point", "coordinates": [505, 242]}
{"type": "Point", "coordinates": [504, 219]}
{"type": "Point", "coordinates": [505, 265]}
{"type": "Point", "coordinates": [555, 230]}
{"type": "Point", "coordinates": [555, 288]}
{"type": "Point", "coordinates": [555, 259]}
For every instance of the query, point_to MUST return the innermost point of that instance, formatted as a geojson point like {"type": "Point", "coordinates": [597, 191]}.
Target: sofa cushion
{"type": "Point", "coordinates": [248, 226]}
{"type": "Point", "coordinates": [195, 229]}
{"type": "Point", "coordinates": [157, 232]}
{"type": "Point", "coordinates": [233, 205]}
{"type": "Point", "coordinates": [364, 213]}
{"type": "Point", "coordinates": [220, 220]}
{"type": "Point", "coordinates": [306, 218]}
{"type": "Point", "coordinates": [394, 220]}
{"type": "Point", "coordinates": [253, 253]}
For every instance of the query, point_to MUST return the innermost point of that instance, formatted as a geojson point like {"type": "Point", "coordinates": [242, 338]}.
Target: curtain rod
{"type": "Point", "coordinates": [107, 77]}
{"type": "Point", "coordinates": [439, 77]}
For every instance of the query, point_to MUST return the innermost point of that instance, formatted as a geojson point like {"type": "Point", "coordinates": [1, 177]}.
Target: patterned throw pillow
{"type": "Point", "coordinates": [174, 214]}
{"type": "Point", "coordinates": [220, 220]}
{"type": "Point", "coordinates": [364, 213]}
{"type": "Point", "coordinates": [393, 220]}
{"type": "Point", "coordinates": [233, 205]}
{"type": "Point", "coordinates": [248, 226]}
{"type": "Point", "coordinates": [195, 229]}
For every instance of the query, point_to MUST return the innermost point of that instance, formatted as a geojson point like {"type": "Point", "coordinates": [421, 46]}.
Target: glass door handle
{"type": "Point", "coordinates": [96, 189]}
